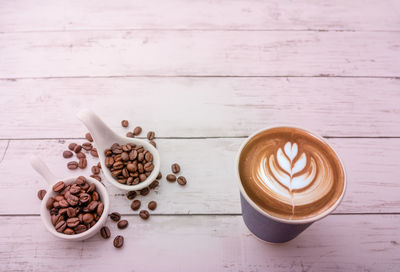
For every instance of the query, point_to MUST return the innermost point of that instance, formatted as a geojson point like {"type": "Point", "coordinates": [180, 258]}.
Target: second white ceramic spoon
{"type": "Point", "coordinates": [104, 137]}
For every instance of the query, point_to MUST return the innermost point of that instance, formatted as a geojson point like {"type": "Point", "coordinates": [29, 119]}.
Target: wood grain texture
{"type": "Point", "coordinates": [208, 164]}
{"type": "Point", "coordinates": [221, 14]}
{"type": "Point", "coordinates": [199, 53]}
{"type": "Point", "coordinates": [201, 107]}
{"type": "Point", "coordinates": [206, 243]}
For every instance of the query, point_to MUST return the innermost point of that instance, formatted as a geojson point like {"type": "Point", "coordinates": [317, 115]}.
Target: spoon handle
{"type": "Point", "coordinates": [40, 167]}
{"type": "Point", "coordinates": [101, 133]}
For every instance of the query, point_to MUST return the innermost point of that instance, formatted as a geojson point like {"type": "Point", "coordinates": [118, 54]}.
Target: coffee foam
{"type": "Point", "coordinates": [291, 174]}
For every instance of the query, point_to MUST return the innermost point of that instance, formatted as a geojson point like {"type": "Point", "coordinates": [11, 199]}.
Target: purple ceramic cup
{"type": "Point", "coordinates": [268, 227]}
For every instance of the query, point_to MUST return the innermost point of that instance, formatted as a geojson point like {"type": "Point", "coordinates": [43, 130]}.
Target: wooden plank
{"type": "Point", "coordinates": [208, 164]}
{"type": "Point", "coordinates": [201, 107]}
{"type": "Point", "coordinates": [199, 53]}
{"type": "Point", "coordinates": [180, 14]}
{"type": "Point", "coordinates": [206, 243]}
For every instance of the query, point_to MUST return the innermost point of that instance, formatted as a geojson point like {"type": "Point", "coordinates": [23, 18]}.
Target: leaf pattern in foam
{"type": "Point", "coordinates": [284, 163]}
{"type": "Point", "coordinates": [291, 150]}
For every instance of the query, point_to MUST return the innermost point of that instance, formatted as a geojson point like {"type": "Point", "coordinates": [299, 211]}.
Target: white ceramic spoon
{"type": "Point", "coordinates": [104, 137]}
{"type": "Point", "coordinates": [51, 179]}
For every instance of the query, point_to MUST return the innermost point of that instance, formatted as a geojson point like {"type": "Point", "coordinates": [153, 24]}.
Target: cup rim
{"type": "Point", "coordinates": [101, 189]}
{"type": "Point", "coordinates": [282, 220]}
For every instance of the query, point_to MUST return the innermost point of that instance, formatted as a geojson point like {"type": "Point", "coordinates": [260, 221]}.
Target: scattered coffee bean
{"type": "Point", "coordinates": [137, 131]}
{"type": "Point", "coordinates": [181, 180]}
{"type": "Point", "coordinates": [135, 205]}
{"type": "Point", "coordinates": [152, 205]}
{"type": "Point", "coordinates": [154, 184]}
{"type": "Point", "coordinates": [72, 165]}
{"type": "Point", "coordinates": [122, 224]}
{"type": "Point", "coordinates": [82, 163]}
{"type": "Point", "coordinates": [175, 168]}
{"type": "Point", "coordinates": [80, 155]}
{"type": "Point", "coordinates": [105, 232]}
{"type": "Point", "coordinates": [153, 143]}
{"type": "Point", "coordinates": [71, 146]}
{"type": "Point", "coordinates": [144, 214]}
{"type": "Point", "coordinates": [94, 153]}
{"type": "Point", "coordinates": [88, 136]}
{"type": "Point", "coordinates": [41, 194]}
{"type": "Point", "coordinates": [145, 191]}
{"type": "Point", "coordinates": [171, 177]}
{"type": "Point", "coordinates": [87, 146]}
{"type": "Point", "coordinates": [77, 148]}
{"type": "Point", "coordinates": [59, 186]}
{"type": "Point", "coordinates": [125, 123]}
{"type": "Point", "coordinates": [131, 195]}
{"type": "Point", "coordinates": [159, 176]}
{"type": "Point", "coordinates": [67, 154]}
{"type": "Point", "coordinates": [118, 241]}
{"type": "Point", "coordinates": [115, 216]}
{"type": "Point", "coordinates": [95, 170]}
{"type": "Point", "coordinates": [150, 135]}
{"type": "Point", "coordinates": [130, 135]}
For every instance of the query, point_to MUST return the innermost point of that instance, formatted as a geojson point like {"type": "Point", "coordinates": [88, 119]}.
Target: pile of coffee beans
{"type": "Point", "coordinates": [76, 207]}
{"type": "Point", "coordinates": [129, 164]}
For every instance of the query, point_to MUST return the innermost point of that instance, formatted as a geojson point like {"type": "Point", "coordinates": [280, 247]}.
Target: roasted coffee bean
{"type": "Point", "coordinates": [100, 208]}
{"type": "Point", "coordinates": [135, 205]}
{"type": "Point", "coordinates": [145, 191]}
{"type": "Point", "coordinates": [41, 194]}
{"type": "Point", "coordinates": [59, 197]}
{"type": "Point", "coordinates": [87, 146]}
{"type": "Point", "coordinates": [153, 143]}
{"type": "Point", "coordinates": [73, 200]}
{"type": "Point", "coordinates": [85, 186]}
{"type": "Point", "coordinates": [96, 177]}
{"type": "Point", "coordinates": [84, 198]}
{"type": "Point", "coordinates": [159, 176]}
{"type": "Point", "coordinates": [73, 222]}
{"type": "Point", "coordinates": [60, 227]}
{"type": "Point", "coordinates": [71, 212]}
{"type": "Point", "coordinates": [175, 168]}
{"type": "Point", "coordinates": [109, 161]}
{"type": "Point", "coordinates": [67, 154]}
{"type": "Point", "coordinates": [115, 216]}
{"type": "Point", "coordinates": [122, 224]}
{"type": "Point", "coordinates": [54, 219]}
{"type": "Point", "coordinates": [77, 148]}
{"type": "Point", "coordinates": [95, 196]}
{"type": "Point", "coordinates": [69, 231]}
{"type": "Point", "coordinates": [154, 184]}
{"type": "Point", "coordinates": [82, 163]}
{"type": "Point", "coordinates": [148, 157]}
{"type": "Point", "coordinates": [117, 150]}
{"type": "Point", "coordinates": [118, 165]}
{"type": "Point", "coordinates": [142, 177]}
{"type": "Point", "coordinates": [131, 167]}
{"type": "Point", "coordinates": [105, 232]}
{"type": "Point", "coordinates": [152, 205]}
{"type": "Point", "coordinates": [131, 194]}
{"type": "Point", "coordinates": [93, 205]}
{"type": "Point", "coordinates": [133, 155]}
{"type": "Point", "coordinates": [148, 167]}
{"type": "Point", "coordinates": [80, 180]}
{"type": "Point", "coordinates": [72, 165]}
{"type": "Point", "coordinates": [150, 135]}
{"type": "Point", "coordinates": [181, 180]}
{"type": "Point", "coordinates": [75, 189]}
{"type": "Point", "coordinates": [125, 123]}
{"type": "Point", "coordinates": [88, 136]}
{"type": "Point", "coordinates": [87, 218]}
{"type": "Point", "coordinates": [171, 177]}
{"type": "Point", "coordinates": [72, 146]}
{"type": "Point", "coordinates": [107, 152]}
{"type": "Point", "coordinates": [94, 153]}
{"type": "Point", "coordinates": [130, 135]}
{"type": "Point", "coordinates": [63, 211]}
{"type": "Point", "coordinates": [136, 181]}
{"type": "Point", "coordinates": [116, 173]}
{"type": "Point", "coordinates": [140, 157]}
{"type": "Point", "coordinates": [80, 228]}
{"type": "Point", "coordinates": [140, 168]}
{"type": "Point", "coordinates": [91, 188]}
{"type": "Point", "coordinates": [137, 131]}
{"type": "Point", "coordinates": [129, 181]}
{"type": "Point", "coordinates": [127, 147]}
{"type": "Point", "coordinates": [124, 156]}
{"type": "Point", "coordinates": [144, 214]}
{"type": "Point", "coordinates": [80, 155]}
{"type": "Point", "coordinates": [118, 241]}
{"type": "Point", "coordinates": [63, 203]}
{"type": "Point", "coordinates": [59, 186]}
{"type": "Point", "coordinates": [99, 165]}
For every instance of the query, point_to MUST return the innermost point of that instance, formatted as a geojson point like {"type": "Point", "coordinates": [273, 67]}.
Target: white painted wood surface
{"type": "Point", "coordinates": [202, 74]}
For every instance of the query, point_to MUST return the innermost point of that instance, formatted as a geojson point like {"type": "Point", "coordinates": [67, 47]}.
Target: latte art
{"type": "Point", "coordinates": [291, 174]}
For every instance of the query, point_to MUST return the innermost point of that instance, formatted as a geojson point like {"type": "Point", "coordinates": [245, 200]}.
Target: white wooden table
{"type": "Point", "coordinates": [203, 75]}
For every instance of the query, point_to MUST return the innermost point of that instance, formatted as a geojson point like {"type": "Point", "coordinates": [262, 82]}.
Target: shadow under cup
{"type": "Point", "coordinates": [271, 228]}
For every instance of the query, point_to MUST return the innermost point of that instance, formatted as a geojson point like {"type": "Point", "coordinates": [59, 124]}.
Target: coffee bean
{"type": "Point", "coordinates": [124, 156]}
{"type": "Point", "coordinates": [122, 224]}
{"type": "Point", "coordinates": [100, 208]}
{"type": "Point", "coordinates": [181, 180]}
{"type": "Point", "coordinates": [153, 143]}
{"type": "Point", "coordinates": [77, 148]}
{"type": "Point", "coordinates": [175, 168]}
{"type": "Point", "coordinates": [71, 146]}
{"type": "Point", "coordinates": [41, 194]}
{"type": "Point", "coordinates": [82, 163]}
{"type": "Point", "coordinates": [144, 191]}
{"type": "Point", "coordinates": [60, 227]}
{"type": "Point", "coordinates": [118, 241]}
{"type": "Point", "coordinates": [137, 131]}
{"type": "Point", "coordinates": [88, 136]}
{"type": "Point", "coordinates": [71, 212]}
{"type": "Point", "coordinates": [135, 205]}
{"type": "Point", "coordinates": [125, 123]}
{"type": "Point", "coordinates": [54, 219]}
{"type": "Point", "coordinates": [140, 157]}
{"type": "Point", "coordinates": [73, 222]}
{"type": "Point", "coordinates": [73, 200]}
{"type": "Point", "coordinates": [63, 203]}
{"type": "Point", "coordinates": [69, 231]}
{"type": "Point", "coordinates": [148, 167]}
{"type": "Point", "coordinates": [171, 177]}
{"type": "Point", "coordinates": [148, 157]}
{"type": "Point", "coordinates": [91, 188]}
{"type": "Point", "coordinates": [130, 135]}
{"type": "Point", "coordinates": [115, 216]}
{"type": "Point", "coordinates": [87, 218]}
{"type": "Point", "coordinates": [72, 165]}
{"type": "Point", "coordinates": [96, 177]}
{"type": "Point", "coordinates": [67, 154]}
{"type": "Point", "coordinates": [131, 194]}
{"type": "Point", "coordinates": [109, 161]}
{"type": "Point", "coordinates": [152, 205]}
{"type": "Point", "coordinates": [159, 176]}
{"type": "Point", "coordinates": [84, 198]}
{"type": "Point", "coordinates": [80, 180]}
{"type": "Point", "coordinates": [118, 165]}
{"type": "Point", "coordinates": [154, 184]}
{"type": "Point", "coordinates": [95, 196]}
{"type": "Point", "coordinates": [93, 205]}
{"type": "Point", "coordinates": [49, 203]}
{"type": "Point", "coordinates": [150, 135]}
{"type": "Point", "coordinates": [80, 155]}
{"type": "Point", "coordinates": [59, 186]}
{"type": "Point", "coordinates": [105, 232]}
{"type": "Point", "coordinates": [80, 228]}
{"type": "Point", "coordinates": [133, 155]}
{"type": "Point", "coordinates": [87, 146]}
{"type": "Point", "coordinates": [95, 170]}
{"type": "Point", "coordinates": [144, 214]}
{"type": "Point", "coordinates": [94, 153]}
